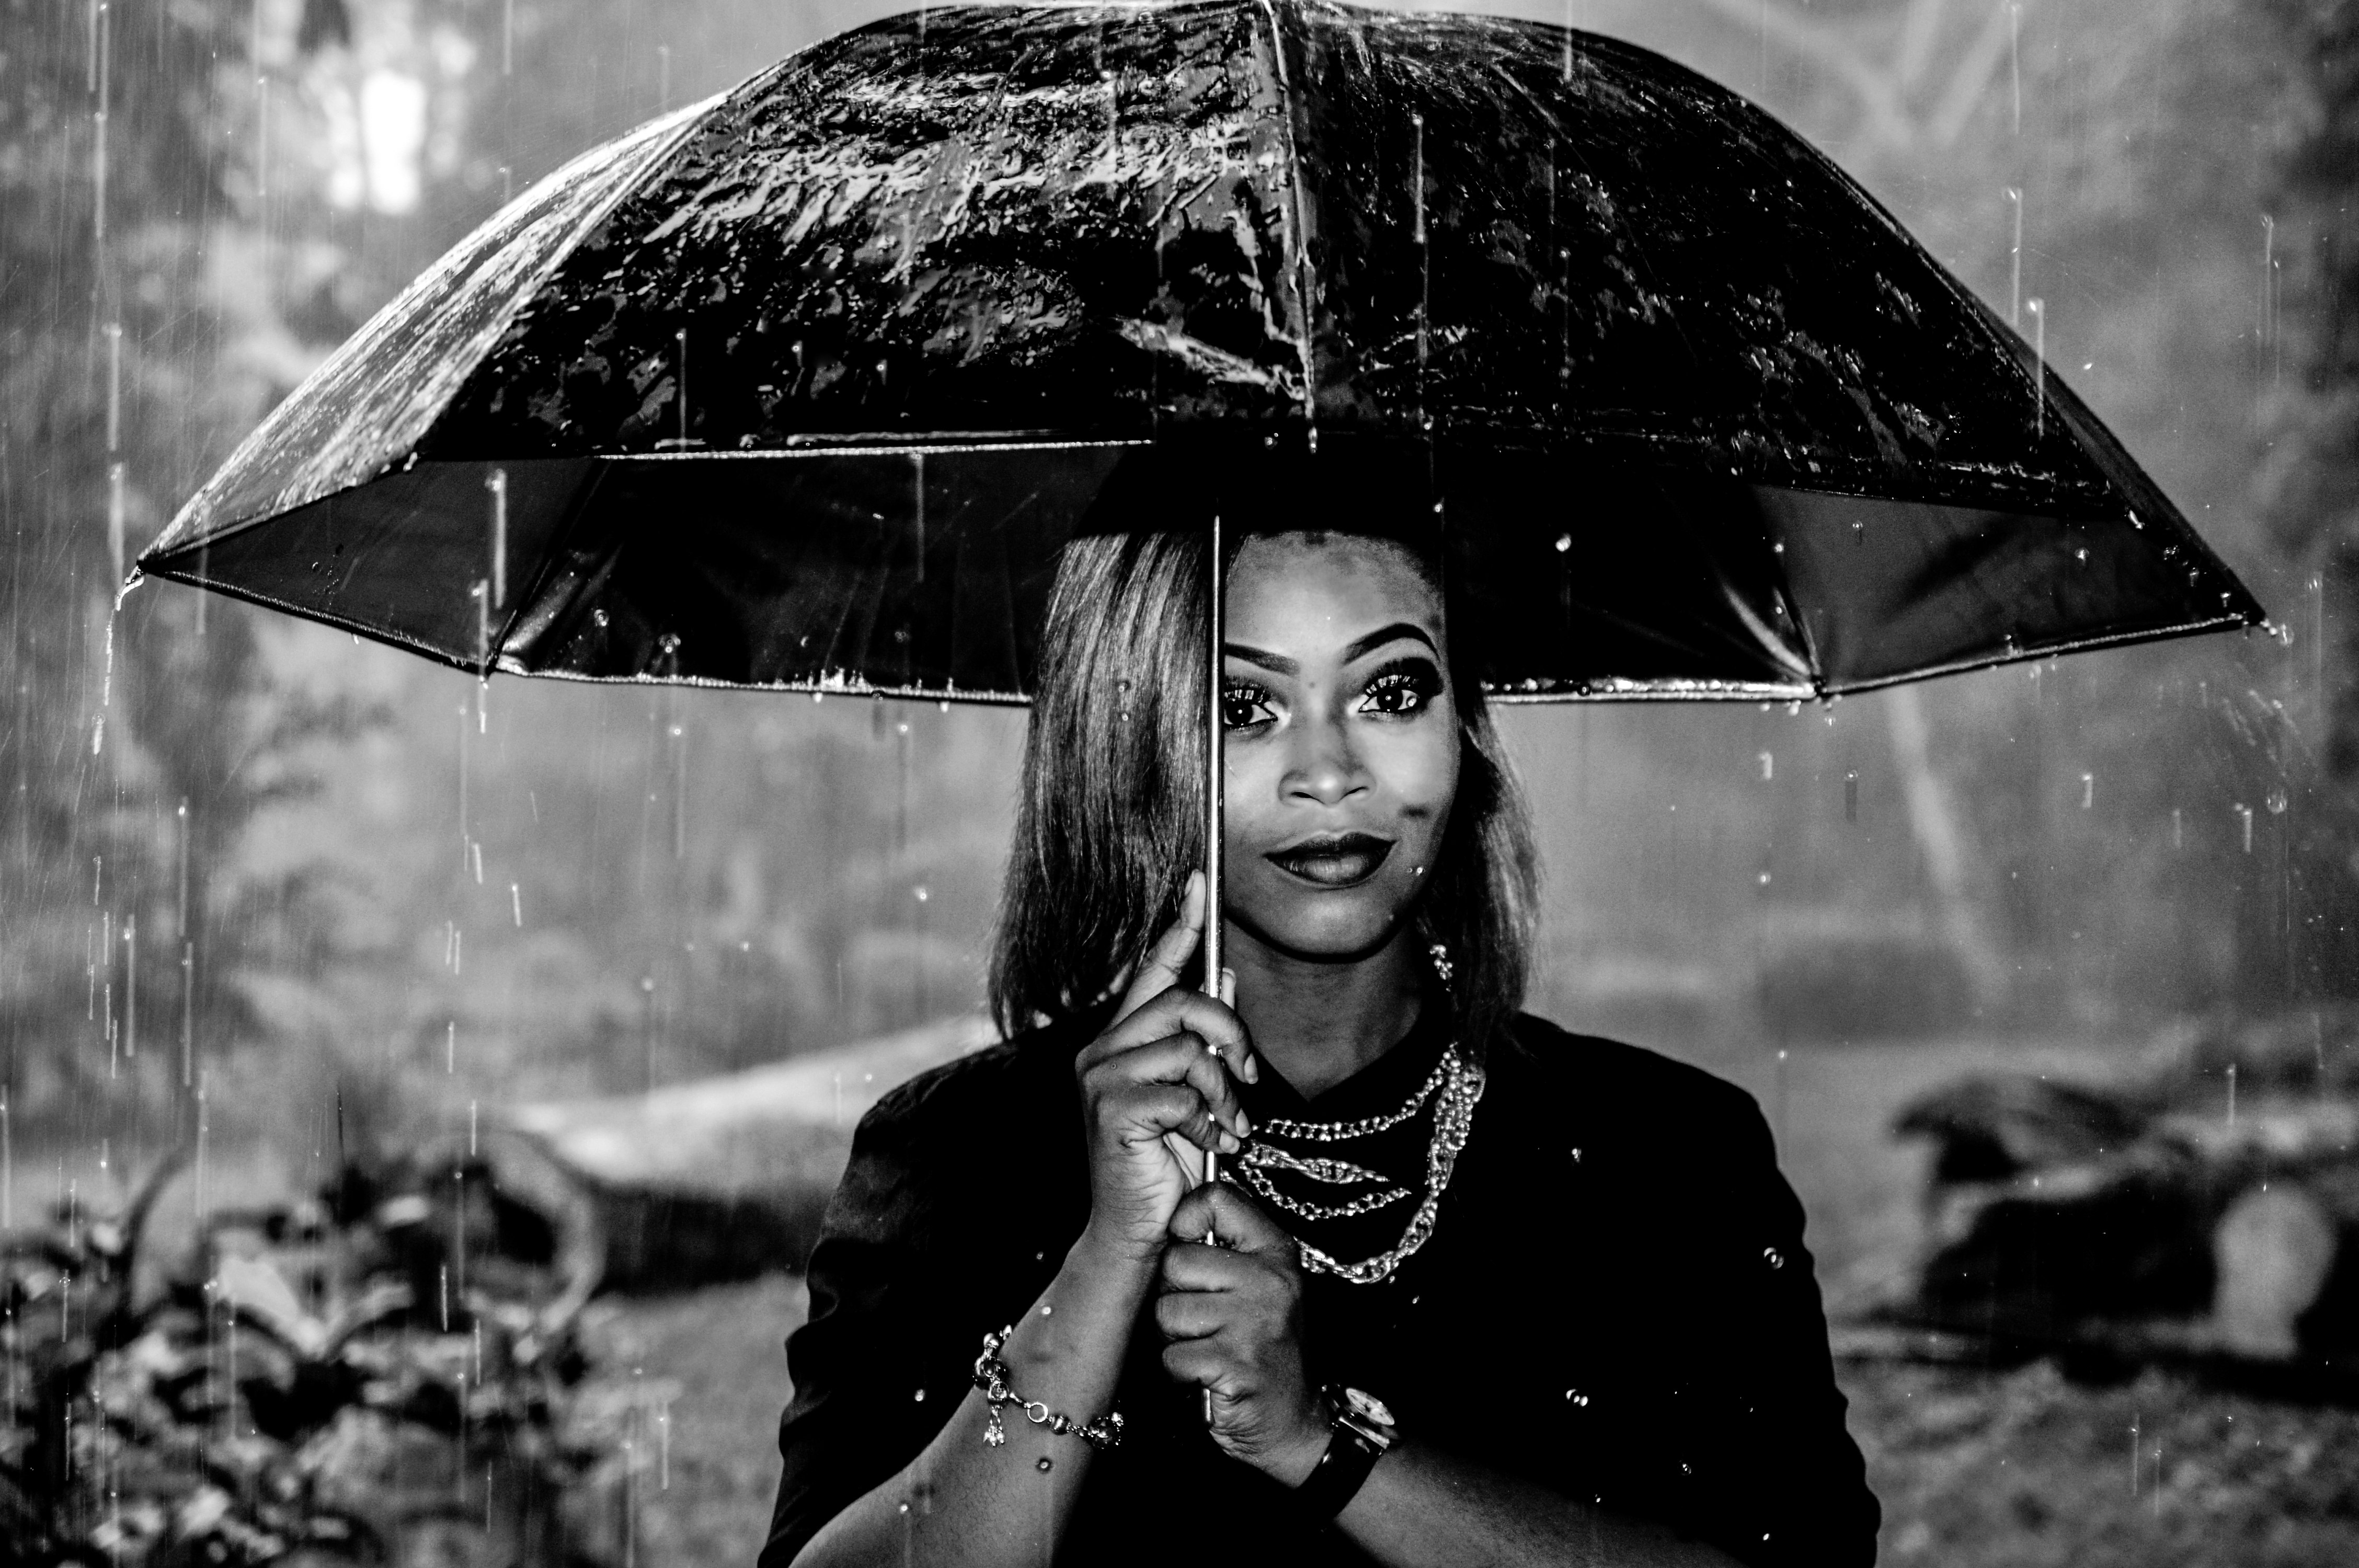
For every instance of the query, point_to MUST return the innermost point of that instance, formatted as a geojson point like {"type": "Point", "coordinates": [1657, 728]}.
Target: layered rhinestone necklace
{"type": "Point", "coordinates": [1452, 1088]}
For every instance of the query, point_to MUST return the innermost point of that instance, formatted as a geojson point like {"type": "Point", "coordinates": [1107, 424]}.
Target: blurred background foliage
{"type": "Point", "coordinates": [259, 858]}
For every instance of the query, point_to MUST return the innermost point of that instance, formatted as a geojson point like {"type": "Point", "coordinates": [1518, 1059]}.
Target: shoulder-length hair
{"type": "Point", "coordinates": [1110, 819]}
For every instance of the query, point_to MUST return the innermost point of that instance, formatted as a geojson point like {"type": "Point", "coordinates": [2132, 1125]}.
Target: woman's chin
{"type": "Point", "coordinates": [1334, 927]}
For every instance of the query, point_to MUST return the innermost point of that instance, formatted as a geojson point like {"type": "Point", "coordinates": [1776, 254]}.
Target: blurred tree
{"type": "Point", "coordinates": [2105, 174]}
{"type": "Point", "coordinates": [136, 742]}
{"type": "Point", "coordinates": [2310, 336]}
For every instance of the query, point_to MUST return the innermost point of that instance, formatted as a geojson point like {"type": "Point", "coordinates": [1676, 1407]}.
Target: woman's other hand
{"type": "Point", "coordinates": [1233, 1314]}
{"type": "Point", "coordinates": [1162, 1067]}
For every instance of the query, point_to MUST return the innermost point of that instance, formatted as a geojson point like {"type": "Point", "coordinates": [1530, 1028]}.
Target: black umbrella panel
{"type": "Point", "coordinates": [806, 386]}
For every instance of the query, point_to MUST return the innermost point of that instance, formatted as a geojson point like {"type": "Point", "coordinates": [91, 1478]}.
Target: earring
{"type": "Point", "coordinates": [1440, 953]}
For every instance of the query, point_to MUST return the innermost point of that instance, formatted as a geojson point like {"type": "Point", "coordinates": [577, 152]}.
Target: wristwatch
{"type": "Point", "coordinates": [1360, 1434]}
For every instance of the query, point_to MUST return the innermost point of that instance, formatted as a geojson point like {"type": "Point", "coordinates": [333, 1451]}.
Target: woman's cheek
{"type": "Point", "coordinates": [1249, 792]}
{"type": "Point", "coordinates": [1421, 772]}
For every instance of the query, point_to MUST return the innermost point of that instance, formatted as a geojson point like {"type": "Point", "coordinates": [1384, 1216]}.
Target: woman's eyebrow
{"type": "Point", "coordinates": [1383, 634]}
{"type": "Point", "coordinates": [1277, 664]}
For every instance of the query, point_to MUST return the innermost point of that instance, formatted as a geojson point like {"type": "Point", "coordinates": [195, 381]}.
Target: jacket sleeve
{"type": "Point", "coordinates": [1777, 1480]}
{"type": "Point", "coordinates": [876, 1374]}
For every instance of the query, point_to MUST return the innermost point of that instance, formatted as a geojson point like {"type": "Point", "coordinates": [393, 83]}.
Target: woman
{"type": "Point", "coordinates": [1482, 1291]}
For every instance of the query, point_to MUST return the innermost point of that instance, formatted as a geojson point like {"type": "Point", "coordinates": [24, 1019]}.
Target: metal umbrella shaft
{"type": "Point", "coordinates": [1215, 786]}
{"type": "Point", "coordinates": [1216, 637]}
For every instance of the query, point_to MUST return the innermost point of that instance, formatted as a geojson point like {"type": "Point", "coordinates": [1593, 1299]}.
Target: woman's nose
{"type": "Point", "coordinates": [1325, 767]}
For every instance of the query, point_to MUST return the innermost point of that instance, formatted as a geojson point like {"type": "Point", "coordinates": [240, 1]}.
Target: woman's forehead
{"type": "Point", "coordinates": [1299, 592]}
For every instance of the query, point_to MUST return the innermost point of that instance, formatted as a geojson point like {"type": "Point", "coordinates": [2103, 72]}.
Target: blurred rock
{"type": "Point", "coordinates": [2207, 1209]}
{"type": "Point", "coordinates": [2273, 1251]}
{"type": "Point", "coordinates": [726, 1178]}
{"type": "Point", "coordinates": [1990, 1126]}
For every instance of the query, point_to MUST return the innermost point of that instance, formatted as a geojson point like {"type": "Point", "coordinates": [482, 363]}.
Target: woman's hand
{"type": "Point", "coordinates": [1161, 1067]}
{"type": "Point", "coordinates": [1233, 1316]}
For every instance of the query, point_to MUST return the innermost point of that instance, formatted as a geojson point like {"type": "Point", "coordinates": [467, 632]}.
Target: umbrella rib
{"type": "Point", "coordinates": [550, 557]}
{"type": "Point", "coordinates": [1771, 644]}
{"type": "Point", "coordinates": [2048, 649]}
{"type": "Point", "coordinates": [1299, 203]}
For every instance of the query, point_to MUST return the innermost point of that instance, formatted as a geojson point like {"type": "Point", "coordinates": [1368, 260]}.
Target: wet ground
{"type": "Point", "coordinates": [707, 1505]}
{"type": "Point", "coordinates": [2027, 1469]}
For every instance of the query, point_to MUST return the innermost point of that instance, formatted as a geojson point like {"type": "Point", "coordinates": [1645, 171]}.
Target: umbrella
{"type": "Point", "coordinates": [805, 385]}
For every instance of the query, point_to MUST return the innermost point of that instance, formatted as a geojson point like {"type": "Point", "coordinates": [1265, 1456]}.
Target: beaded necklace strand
{"type": "Point", "coordinates": [1458, 1084]}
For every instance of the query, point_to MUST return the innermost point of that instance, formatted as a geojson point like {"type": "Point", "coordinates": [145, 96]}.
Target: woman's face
{"type": "Point", "coordinates": [1342, 741]}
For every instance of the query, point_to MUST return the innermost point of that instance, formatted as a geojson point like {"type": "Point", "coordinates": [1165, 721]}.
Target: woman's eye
{"type": "Point", "coordinates": [1244, 706]}
{"type": "Point", "coordinates": [1401, 691]}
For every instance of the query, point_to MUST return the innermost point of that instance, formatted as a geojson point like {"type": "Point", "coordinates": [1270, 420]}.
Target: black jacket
{"type": "Point", "coordinates": [1616, 1304]}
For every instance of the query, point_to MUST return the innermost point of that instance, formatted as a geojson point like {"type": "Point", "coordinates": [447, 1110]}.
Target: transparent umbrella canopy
{"type": "Point", "coordinates": [805, 386]}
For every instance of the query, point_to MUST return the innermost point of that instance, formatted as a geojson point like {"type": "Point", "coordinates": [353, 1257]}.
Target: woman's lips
{"type": "Point", "coordinates": [1333, 861]}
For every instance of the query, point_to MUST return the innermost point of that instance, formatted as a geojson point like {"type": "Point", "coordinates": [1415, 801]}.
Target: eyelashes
{"type": "Point", "coordinates": [1401, 689]}
{"type": "Point", "coordinates": [1244, 705]}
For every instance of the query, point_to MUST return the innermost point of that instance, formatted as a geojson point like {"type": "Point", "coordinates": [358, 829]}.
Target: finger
{"type": "Point", "coordinates": [1199, 1363]}
{"type": "Point", "coordinates": [1162, 1109]}
{"type": "Point", "coordinates": [1183, 1059]}
{"type": "Point", "coordinates": [1160, 970]}
{"type": "Point", "coordinates": [1248, 1067]}
{"type": "Point", "coordinates": [1171, 1012]}
{"type": "Point", "coordinates": [1194, 1266]}
{"type": "Point", "coordinates": [1191, 1314]}
{"type": "Point", "coordinates": [1191, 1157]}
{"type": "Point", "coordinates": [1230, 1214]}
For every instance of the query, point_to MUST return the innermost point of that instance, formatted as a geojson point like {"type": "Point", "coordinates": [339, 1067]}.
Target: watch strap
{"type": "Point", "coordinates": [1336, 1479]}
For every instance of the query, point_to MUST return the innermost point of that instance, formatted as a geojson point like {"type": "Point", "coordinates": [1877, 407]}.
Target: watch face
{"type": "Point", "coordinates": [1367, 1407]}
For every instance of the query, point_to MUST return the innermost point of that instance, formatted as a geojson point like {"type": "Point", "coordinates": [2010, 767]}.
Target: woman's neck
{"type": "Point", "coordinates": [1319, 1023]}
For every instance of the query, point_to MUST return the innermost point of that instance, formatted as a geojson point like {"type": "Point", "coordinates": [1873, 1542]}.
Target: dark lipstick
{"type": "Point", "coordinates": [1332, 859]}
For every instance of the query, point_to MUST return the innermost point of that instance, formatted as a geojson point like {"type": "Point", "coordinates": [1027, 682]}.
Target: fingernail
{"type": "Point", "coordinates": [1252, 1069]}
{"type": "Point", "coordinates": [1244, 1125]}
{"type": "Point", "coordinates": [1229, 1144]}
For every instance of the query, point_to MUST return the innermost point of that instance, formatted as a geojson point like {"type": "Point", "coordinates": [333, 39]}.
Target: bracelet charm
{"type": "Point", "coordinates": [993, 1377]}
